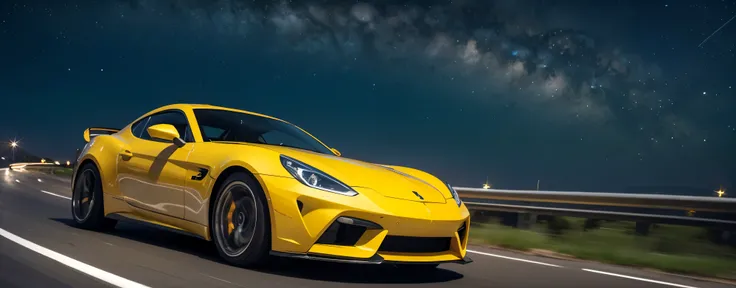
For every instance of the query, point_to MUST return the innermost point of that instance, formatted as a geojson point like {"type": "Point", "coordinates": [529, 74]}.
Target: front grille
{"type": "Point", "coordinates": [405, 244]}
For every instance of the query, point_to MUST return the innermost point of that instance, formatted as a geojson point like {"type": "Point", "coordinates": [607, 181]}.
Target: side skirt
{"type": "Point", "coordinates": [138, 221]}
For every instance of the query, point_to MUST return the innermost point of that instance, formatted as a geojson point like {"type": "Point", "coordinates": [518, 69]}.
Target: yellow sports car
{"type": "Point", "coordinates": [258, 186]}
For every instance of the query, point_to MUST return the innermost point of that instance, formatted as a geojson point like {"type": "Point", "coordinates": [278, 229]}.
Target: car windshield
{"type": "Point", "coordinates": [229, 126]}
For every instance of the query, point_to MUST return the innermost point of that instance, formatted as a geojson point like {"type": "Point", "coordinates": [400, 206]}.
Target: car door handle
{"type": "Point", "coordinates": [126, 154]}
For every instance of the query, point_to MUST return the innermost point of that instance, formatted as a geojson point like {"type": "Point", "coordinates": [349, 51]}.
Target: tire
{"type": "Point", "coordinates": [92, 217]}
{"type": "Point", "coordinates": [251, 216]}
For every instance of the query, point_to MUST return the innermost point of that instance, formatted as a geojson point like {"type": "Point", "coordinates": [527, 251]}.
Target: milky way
{"type": "Point", "coordinates": [506, 48]}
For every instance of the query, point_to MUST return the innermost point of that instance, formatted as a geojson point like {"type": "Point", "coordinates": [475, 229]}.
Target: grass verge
{"type": "Point", "coordinates": [66, 172]}
{"type": "Point", "coordinates": [676, 249]}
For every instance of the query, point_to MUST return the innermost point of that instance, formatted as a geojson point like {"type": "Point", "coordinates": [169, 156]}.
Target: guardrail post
{"type": "Point", "coordinates": [526, 220]}
{"type": "Point", "coordinates": [479, 216]}
{"type": "Point", "coordinates": [642, 228]}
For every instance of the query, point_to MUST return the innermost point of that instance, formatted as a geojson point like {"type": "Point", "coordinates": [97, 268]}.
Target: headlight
{"type": "Point", "coordinates": [454, 195]}
{"type": "Point", "coordinates": [314, 178]}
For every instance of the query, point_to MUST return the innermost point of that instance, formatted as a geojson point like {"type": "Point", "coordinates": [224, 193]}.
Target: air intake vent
{"type": "Point", "coordinates": [461, 233]}
{"type": "Point", "coordinates": [341, 234]}
{"type": "Point", "coordinates": [404, 244]}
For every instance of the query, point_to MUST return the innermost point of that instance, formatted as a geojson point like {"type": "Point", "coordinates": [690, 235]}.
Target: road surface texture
{"type": "Point", "coordinates": [40, 248]}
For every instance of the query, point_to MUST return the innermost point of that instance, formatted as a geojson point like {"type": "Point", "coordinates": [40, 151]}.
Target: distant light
{"type": "Point", "coordinates": [43, 160]}
{"type": "Point", "coordinates": [703, 92]}
{"type": "Point", "coordinates": [720, 192]}
{"type": "Point", "coordinates": [2, 158]}
{"type": "Point", "coordinates": [57, 163]}
{"type": "Point", "coordinates": [67, 163]}
{"type": "Point", "coordinates": [486, 186]}
{"type": "Point", "coordinates": [13, 144]}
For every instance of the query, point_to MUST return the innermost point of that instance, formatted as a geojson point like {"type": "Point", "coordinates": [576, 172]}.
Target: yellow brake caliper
{"type": "Point", "coordinates": [230, 224]}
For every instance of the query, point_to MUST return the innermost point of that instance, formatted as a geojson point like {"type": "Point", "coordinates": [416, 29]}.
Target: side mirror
{"type": "Point", "coordinates": [166, 132]}
{"type": "Point", "coordinates": [335, 151]}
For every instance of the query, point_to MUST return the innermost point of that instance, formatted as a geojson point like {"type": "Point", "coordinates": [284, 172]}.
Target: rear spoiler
{"type": "Point", "coordinates": [93, 132]}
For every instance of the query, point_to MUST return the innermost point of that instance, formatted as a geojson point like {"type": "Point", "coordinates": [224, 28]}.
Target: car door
{"type": "Point", "coordinates": [151, 172]}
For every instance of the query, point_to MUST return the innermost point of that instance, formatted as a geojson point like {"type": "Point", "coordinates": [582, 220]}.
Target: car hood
{"type": "Point", "coordinates": [355, 173]}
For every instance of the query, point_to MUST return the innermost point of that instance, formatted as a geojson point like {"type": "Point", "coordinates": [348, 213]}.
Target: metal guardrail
{"type": "Point", "coordinates": [479, 199]}
{"type": "Point", "coordinates": [698, 203]}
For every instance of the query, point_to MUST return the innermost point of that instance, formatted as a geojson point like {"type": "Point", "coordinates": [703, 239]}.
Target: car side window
{"type": "Point", "coordinates": [137, 128]}
{"type": "Point", "coordinates": [174, 118]}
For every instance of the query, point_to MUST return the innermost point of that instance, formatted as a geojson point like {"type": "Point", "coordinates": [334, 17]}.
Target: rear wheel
{"type": "Point", "coordinates": [240, 221]}
{"type": "Point", "coordinates": [88, 210]}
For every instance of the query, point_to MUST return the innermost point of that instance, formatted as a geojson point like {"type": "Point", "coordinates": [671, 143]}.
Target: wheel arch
{"type": "Point", "coordinates": [102, 151]}
{"type": "Point", "coordinates": [219, 181]}
{"type": "Point", "coordinates": [87, 159]}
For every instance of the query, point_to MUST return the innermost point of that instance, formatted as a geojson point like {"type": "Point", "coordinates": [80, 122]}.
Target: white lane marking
{"type": "Point", "coordinates": [637, 278]}
{"type": "Point", "coordinates": [72, 263]}
{"type": "Point", "coordinates": [213, 277]}
{"type": "Point", "coordinates": [515, 259]}
{"type": "Point", "coordinates": [57, 195]}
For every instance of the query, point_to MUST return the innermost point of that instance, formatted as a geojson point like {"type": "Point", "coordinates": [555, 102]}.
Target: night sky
{"type": "Point", "coordinates": [581, 95]}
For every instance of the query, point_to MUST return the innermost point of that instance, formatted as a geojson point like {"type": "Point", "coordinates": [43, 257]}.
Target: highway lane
{"type": "Point", "coordinates": [38, 212]}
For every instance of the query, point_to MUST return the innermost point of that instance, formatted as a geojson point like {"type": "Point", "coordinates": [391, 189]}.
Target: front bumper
{"type": "Point", "coordinates": [368, 228]}
{"type": "Point", "coordinates": [376, 259]}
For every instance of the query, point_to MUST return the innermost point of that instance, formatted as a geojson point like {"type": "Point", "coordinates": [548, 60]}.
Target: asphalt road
{"type": "Point", "coordinates": [39, 248]}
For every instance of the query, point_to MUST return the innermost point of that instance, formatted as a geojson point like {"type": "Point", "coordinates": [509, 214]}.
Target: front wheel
{"type": "Point", "coordinates": [88, 210]}
{"type": "Point", "coordinates": [240, 221]}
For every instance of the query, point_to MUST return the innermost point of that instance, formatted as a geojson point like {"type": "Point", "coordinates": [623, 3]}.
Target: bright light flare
{"type": "Point", "coordinates": [721, 192]}
{"type": "Point", "coordinates": [13, 144]}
